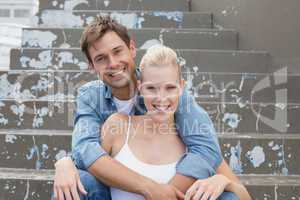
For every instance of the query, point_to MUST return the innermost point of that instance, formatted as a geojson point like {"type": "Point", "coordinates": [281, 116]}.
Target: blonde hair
{"type": "Point", "coordinates": [160, 56]}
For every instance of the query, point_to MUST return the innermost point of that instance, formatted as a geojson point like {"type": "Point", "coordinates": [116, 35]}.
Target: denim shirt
{"type": "Point", "coordinates": [95, 104]}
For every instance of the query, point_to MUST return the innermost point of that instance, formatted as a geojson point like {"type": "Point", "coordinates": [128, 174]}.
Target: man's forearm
{"type": "Point", "coordinates": [182, 182]}
{"type": "Point", "coordinates": [114, 174]}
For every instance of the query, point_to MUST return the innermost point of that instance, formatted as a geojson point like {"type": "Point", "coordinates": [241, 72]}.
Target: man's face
{"type": "Point", "coordinates": [113, 60]}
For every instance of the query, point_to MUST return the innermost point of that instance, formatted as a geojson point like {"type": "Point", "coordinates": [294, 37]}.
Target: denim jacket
{"type": "Point", "coordinates": [95, 104]}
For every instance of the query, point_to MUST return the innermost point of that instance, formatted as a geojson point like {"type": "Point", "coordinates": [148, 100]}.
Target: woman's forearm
{"type": "Point", "coordinates": [239, 190]}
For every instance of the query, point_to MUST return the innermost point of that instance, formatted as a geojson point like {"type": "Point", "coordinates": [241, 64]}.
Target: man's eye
{"type": "Point", "coordinates": [99, 59]}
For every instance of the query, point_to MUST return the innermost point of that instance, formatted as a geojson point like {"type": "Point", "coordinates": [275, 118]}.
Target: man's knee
{"type": "Point", "coordinates": [94, 188]}
{"type": "Point", "coordinates": [228, 196]}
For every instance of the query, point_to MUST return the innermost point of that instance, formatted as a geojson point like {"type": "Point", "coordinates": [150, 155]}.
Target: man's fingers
{"type": "Point", "coordinates": [74, 193]}
{"type": "Point", "coordinates": [206, 195]}
{"type": "Point", "coordinates": [80, 187]}
{"type": "Point", "coordinates": [191, 191]}
{"type": "Point", "coordinates": [214, 196]}
{"type": "Point", "coordinates": [60, 195]}
{"type": "Point", "coordinates": [67, 194]}
{"type": "Point", "coordinates": [199, 193]}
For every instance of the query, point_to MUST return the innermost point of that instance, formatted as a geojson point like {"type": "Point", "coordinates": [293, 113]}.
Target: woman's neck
{"type": "Point", "coordinates": [160, 127]}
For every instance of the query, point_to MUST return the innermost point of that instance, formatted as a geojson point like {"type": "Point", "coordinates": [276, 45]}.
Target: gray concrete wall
{"type": "Point", "coordinates": [271, 25]}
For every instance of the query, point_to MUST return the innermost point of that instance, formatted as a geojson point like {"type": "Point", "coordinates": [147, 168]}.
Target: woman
{"type": "Point", "coordinates": [149, 144]}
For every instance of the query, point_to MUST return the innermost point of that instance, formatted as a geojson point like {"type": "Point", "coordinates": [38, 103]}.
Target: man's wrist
{"type": "Point", "coordinates": [146, 187]}
{"type": "Point", "coordinates": [66, 158]}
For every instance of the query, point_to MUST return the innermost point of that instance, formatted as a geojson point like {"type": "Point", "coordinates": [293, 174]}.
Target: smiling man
{"type": "Point", "coordinates": [111, 54]}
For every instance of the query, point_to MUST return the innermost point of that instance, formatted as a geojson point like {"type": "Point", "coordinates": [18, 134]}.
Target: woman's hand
{"type": "Point", "coordinates": [210, 188]}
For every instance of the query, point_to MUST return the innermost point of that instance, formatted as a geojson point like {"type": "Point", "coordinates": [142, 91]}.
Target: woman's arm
{"type": "Point", "coordinates": [212, 187]}
{"type": "Point", "coordinates": [235, 185]}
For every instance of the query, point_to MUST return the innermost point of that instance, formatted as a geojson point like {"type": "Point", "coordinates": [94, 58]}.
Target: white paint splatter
{"type": "Point", "coordinates": [71, 4]}
{"type": "Point", "coordinates": [276, 147]}
{"type": "Point", "coordinates": [9, 138]}
{"type": "Point", "coordinates": [235, 159]}
{"type": "Point", "coordinates": [256, 156]}
{"type": "Point", "coordinates": [60, 154]}
{"type": "Point", "coordinates": [38, 120]}
{"type": "Point", "coordinates": [54, 3]}
{"type": "Point", "coordinates": [150, 43]}
{"type": "Point", "coordinates": [35, 38]}
{"type": "Point", "coordinates": [44, 153]}
{"type": "Point", "coordinates": [282, 106]}
{"type": "Point", "coordinates": [106, 3]}
{"type": "Point", "coordinates": [176, 16]}
{"type": "Point", "coordinates": [57, 18]}
{"type": "Point", "coordinates": [232, 119]}
{"type": "Point", "coordinates": [43, 63]}
{"type": "Point", "coordinates": [3, 120]}
{"type": "Point", "coordinates": [130, 20]}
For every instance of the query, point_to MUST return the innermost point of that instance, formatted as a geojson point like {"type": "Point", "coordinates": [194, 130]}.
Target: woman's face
{"type": "Point", "coordinates": [161, 89]}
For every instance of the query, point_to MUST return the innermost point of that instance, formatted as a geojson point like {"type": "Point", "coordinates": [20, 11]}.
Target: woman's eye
{"type": "Point", "coordinates": [150, 88]}
{"type": "Point", "coordinates": [171, 87]}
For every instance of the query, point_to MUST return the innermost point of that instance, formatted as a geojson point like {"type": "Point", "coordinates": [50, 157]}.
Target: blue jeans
{"type": "Point", "coordinates": [96, 190]}
{"type": "Point", "coordinates": [228, 196]}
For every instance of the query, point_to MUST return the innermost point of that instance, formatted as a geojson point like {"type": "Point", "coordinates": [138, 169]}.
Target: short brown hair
{"type": "Point", "coordinates": [96, 30]}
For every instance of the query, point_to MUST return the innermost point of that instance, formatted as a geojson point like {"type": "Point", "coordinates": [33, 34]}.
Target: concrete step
{"type": "Point", "coordinates": [175, 38]}
{"type": "Point", "coordinates": [206, 60]}
{"type": "Point", "coordinates": [242, 88]}
{"type": "Point", "coordinates": [130, 19]}
{"type": "Point", "coordinates": [246, 154]}
{"type": "Point", "coordinates": [38, 184]}
{"type": "Point", "coordinates": [162, 5]}
{"type": "Point", "coordinates": [227, 117]}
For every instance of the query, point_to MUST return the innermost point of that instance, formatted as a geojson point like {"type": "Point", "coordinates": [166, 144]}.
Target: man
{"type": "Point", "coordinates": [111, 54]}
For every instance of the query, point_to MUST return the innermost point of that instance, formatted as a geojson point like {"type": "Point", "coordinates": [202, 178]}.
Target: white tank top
{"type": "Point", "coordinates": [159, 173]}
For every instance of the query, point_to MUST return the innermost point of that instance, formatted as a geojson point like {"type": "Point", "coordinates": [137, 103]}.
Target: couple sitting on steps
{"type": "Point", "coordinates": [138, 133]}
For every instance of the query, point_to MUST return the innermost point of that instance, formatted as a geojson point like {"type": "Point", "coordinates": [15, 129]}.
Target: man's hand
{"type": "Point", "coordinates": [67, 181]}
{"type": "Point", "coordinates": [163, 191]}
{"type": "Point", "coordinates": [210, 188]}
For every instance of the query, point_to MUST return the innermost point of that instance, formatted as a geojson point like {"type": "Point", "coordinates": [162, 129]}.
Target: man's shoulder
{"type": "Point", "coordinates": [92, 87]}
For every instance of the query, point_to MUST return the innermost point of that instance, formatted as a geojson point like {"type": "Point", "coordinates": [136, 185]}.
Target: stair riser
{"type": "Point", "coordinates": [235, 118]}
{"type": "Point", "coordinates": [189, 39]}
{"type": "Point", "coordinates": [205, 87]}
{"type": "Point", "coordinates": [116, 5]}
{"type": "Point", "coordinates": [18, 189]}
{"type": "Point", "coordinates": [244, 155]}
{"type": "Point", "coordinates": [206, 61]}
{"type": "Point", "coordinates": [135, 20]}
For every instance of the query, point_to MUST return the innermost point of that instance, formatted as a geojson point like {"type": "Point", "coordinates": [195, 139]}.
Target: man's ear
{"type": "Point", "coordinates": [132, 48]}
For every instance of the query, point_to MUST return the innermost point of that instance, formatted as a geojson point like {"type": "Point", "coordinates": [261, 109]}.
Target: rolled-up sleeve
{"type": "Point", "coordinates": [86, 148]}
{"type": "Point", "coordinates": [196, 129]}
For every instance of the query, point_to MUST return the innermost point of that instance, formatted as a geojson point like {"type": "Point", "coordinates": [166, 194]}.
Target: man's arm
{"type": "Point", "coordinates": [89, 155]}
{"type": "Point", "coordinates": [197, 132]}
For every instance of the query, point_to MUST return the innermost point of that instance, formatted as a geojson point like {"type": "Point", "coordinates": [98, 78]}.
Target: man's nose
{"type": "Point", "coordinates": [113, 63]}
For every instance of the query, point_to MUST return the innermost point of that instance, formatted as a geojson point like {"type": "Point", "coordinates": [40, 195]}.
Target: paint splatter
{"type": "Point", "coordinates": [232, 119]}
{"type": "Point", "coordinates": [235, 158]}
{"type": "Point", "coordinates": [34, 38]}
{"type": "Point", "coordinates": [256, 156]}
{"type": "Point", "coordinates": [10, 138]}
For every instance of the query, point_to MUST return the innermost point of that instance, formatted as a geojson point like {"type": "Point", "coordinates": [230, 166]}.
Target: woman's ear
{"type": "Point", "coordinates": [182, 85]}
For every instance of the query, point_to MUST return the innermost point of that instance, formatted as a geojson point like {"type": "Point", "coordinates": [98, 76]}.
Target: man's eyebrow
{"type": "Point", "coordinates": [118, 47]}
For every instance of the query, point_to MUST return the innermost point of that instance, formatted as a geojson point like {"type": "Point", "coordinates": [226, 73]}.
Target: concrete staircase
{"type": "Point", "coordinates": [254, 109]}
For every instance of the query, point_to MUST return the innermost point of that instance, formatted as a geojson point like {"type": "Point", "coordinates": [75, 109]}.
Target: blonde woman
{"type": "Point", "coordinates": [149, 144]}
